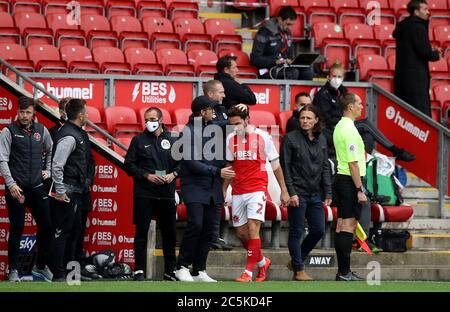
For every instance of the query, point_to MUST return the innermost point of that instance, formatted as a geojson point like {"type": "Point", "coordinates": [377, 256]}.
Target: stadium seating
{"type": "Point", "coordinates": [121, 121]}
{"type": "Point", "coordinates": [125, 141]}
{"type": "Point", "coordinates": [46, 58]}
{"type": "Point", "coordinates": [130, 33]}
{"type": "Point", "coordinates": [284, 117]}
{"type": "Point", "coordinates": [223, 34]}
{"type": "Point", "coordinates": [79, 59]}
{"type": "Point", "coordinates": [111, 60]}
{"type": "Point", "coordinates": [192, 33]}
{"type": "Point", "coordinates": [174, 62]}
{"type": "Point", "coordinates": [143, 61]}
{"type": "Point", "coordinates": [204, 62]}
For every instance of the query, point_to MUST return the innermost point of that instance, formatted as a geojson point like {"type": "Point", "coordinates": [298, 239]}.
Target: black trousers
{"type": "Point", "coordinates": [166, 219]}
{"type": "Point", "coordinates": [36, 199]}
{"type": "Point", "coordinates": [66, 218]}
{"type": "Point", "coordinates": [86, 207]}
{"type": "Point", "coordinates": [216, 232]}
{"type": "Point", "coordinates": [201, 220]}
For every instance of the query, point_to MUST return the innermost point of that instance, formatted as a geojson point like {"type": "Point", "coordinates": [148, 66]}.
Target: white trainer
{"type": "Point", "coordinates": [184, 275]}
{"type": "Point", "coordinates": [203, 277]}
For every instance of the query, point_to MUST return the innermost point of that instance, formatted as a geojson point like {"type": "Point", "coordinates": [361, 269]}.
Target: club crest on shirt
{"type": "Point", "coordinates": [165, 144]}
{"type": "Point", "coordinates": [352, 148]}
{"type": "Point", "coordinates": [37, 137]}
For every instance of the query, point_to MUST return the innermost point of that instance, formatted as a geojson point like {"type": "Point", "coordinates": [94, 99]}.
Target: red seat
{"type": "Point", "coordinates": [182, 9]}
{"type": "Point", "coordinates": [248, 72]}
{"type": "Point", "coordinates": [442, 93]}
{"type": "Point", "coordinates": [33, 28]}
{"type": "Point", "coordinates": [276, 5]}
{"type": "Point", "coordinates": [120, 8]}
{"type": "Point", "coordinates": [8, 32]}
{"type": "Point", "coordinates": [181, 212]}
{"type": "Point", "coordinates": [111, 59]}
{"type": "Point", "coordinates": [398, 5]}
{"type": "Point", "coordinates": [385, 15]}
{"type": "Point", "coordinates": [167, 119]}
{"type": "Point", "coordinates": [298, 30]}
{"type": "Point", "coordinates": [4, 6]}
{"type": "Point", "coordinates": [65, 34]}
{"type": "Point", "coordinates": [223, 33]}
{"type": "Point", "coordinates": [318, 11]}
{"type": "Point", "coordinates": [79, 59]}
{"type": "Point", "coordinates": [348, 11]}
{"type": "Point", "coordinates": [192, 33]}
{"type": "Point", "coordinates": [391, 61]}
{"type": "Point", "coordinates": [362, 39]}
{"type": "Point", "coordinates": [142, 61]}
{"type": "Point", "coordinates": [98, 31]}
{"type": "Point", "coordinates": [262, 119]}
{"type": "Point", "coordinates": [365, 63]}
{"type": "Point", "coordinates": [181, 117]}
{"type": "Point", "coordinates": [12, 51]}
{"type": "Point", "coordinates": [31, 6]}
{"type": "Point", "coordinates": [202, 57]}
{"type": "Point", "coordinates": [330, 39]}
{"type": "Point", "coordinates": [151, 9]}
{"type": "Point", "coordinates": [125, 141]}
{"type": "Point", "coordinates": [438, 66]}
{"type": "Point", "coordinates": [130, 32]}
{"type": "Point", "coordinates": [383, 32]}
{"type": "Point", "coordinates": [46, 58]}
{"type": "Point", "coordinates": [401, 213]}
{"type": "Point", "coordinates": [284, 117]}
{"type": "Point", "coordinates": [161, 33]}
{"type": "Point", "coordinates": [95, 117]}
{"type": "Point", "coordinates": [121, 119]}
{"type": "Point", "coordinates": [242, 57]}
{"type": "Point", "coordinates": [437, 4]}
{"type": "Point", "coordinates": [174, 62]}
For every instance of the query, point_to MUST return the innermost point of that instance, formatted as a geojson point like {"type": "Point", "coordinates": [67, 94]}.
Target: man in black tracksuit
{"type": "Point", "coordinates": [235, 92]}
{"type": "Point", "coordinates": [23, 143]}
{"type": "Point", "coordinates": [272, 51]}
{"type": "Point", "coordinates": [69, 173]}
{"type": "Point", "coordinates": [85, 202]}
{"type": "Point", "coordinates": [150, 163]}
{"type": "Point", "coordinates": [201, 189]}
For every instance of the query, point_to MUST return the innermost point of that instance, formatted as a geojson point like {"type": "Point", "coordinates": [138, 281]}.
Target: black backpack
{"type": "Point", "coordinates": [390, 240]}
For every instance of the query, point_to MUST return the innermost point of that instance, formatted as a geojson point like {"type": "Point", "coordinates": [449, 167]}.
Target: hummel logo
{"type": "Point", "coordinates": [81, 142]}
{"type": "Point", "coordinates": [249, 253]}
{"type": "Point", "coordinates": [147, 146]}
{"type": "Point", "coordinates": [57, 233]}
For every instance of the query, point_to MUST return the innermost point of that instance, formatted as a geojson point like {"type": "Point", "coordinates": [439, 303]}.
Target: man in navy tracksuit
{"type": "Point", "coordinates": [201, 189]}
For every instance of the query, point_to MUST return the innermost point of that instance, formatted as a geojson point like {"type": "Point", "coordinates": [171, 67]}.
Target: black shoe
{"type": "Point", "coordinates": [349, 277]}
{"type": "Point", "coordinates": [170, 276]}
{"type": "Point", "coordinates": [139, 276]}
{"type": "Point", "coordinates": [401, 154]}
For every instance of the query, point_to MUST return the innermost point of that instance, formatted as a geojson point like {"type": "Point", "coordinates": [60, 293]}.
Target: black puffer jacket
{"type": "Point", "coordinates": [235, 92]}
{"type": "Point", "coordinates": [305, 164]}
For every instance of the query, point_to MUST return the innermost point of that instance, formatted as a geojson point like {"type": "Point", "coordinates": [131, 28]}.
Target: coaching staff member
{"type": "Point", "coordinates": [150, 163]}
{"type": "Point", "coordinates": [69, 173]}
{"type": "Point", "coordinates": [201, 189]}
{"type": "Point", "coordinates": [22, 146]}
{"type": "Point", "coordinates": [85, 202]}
{"type": "Point", "coordinates": [348, 185]}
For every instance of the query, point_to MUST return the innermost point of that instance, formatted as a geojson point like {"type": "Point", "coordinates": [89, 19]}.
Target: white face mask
{"type": "Point", "coordinates": [152, 126]}
{"type": "Point", "coordinates": [336, 82]}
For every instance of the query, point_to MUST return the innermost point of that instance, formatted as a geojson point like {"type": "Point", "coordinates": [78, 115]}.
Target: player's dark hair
{"type": "Point", "coordinates": [312, 108]}
{"type": "Point", "coordinates": [155, 109]}
{"type": "Point", "coordinates": [225, 62]}
{"type": "Point", "coordinates": [25, 102]}
{"type": "Point", "coordinates": [414, 5]}
{"type": "Point", "coordinates": [287, 12]}
{"type": "Point", "coordinates": [74, 107]}
{"type": "Point", "coordinates": [234, 111]}
{"type": "Point", "coordinates": [299, 95]}
{"type": "Point", "coordinates": [345, 100]}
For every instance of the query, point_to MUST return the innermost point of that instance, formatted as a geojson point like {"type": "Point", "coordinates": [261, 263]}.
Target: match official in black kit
{"type": "Point", "coordinates": [23, 143]}
{"type": "Point", "coordinates": [69, 173]}
{"type": "Point", "coordinates": [150, 163]}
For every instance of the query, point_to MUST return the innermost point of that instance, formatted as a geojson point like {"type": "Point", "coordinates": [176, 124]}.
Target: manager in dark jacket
{"type": "Point", "coordinates": [201, 189]}
{"type": "Point", "coordinates": [306, 169]}
{"type": "Point", "coordinates": [235, 92]}
{"type": "Point", "coordinates": [413, 52]}
{"type": "Point", "coordinates": [272, 50]}
{"type": "Point", "coordinates": [149, 161]}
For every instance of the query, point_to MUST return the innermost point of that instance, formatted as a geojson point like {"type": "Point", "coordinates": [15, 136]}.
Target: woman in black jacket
{"type": "Point", "coordinates": [306, 169]}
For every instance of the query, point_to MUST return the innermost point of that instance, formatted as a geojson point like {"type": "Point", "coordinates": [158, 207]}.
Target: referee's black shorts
{"type": "Point", "coordinates": [346, 197]}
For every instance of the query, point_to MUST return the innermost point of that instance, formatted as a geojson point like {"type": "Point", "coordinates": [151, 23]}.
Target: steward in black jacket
{"type": "Point", "coordinates": [149, 161]}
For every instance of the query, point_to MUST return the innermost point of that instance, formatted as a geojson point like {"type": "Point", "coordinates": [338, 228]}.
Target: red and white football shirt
{"type": "Point", "coordinates": [249, 154]}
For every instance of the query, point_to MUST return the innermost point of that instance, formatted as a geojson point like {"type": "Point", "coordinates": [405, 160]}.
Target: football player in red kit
{"type": "Point", "coordinates": [248, 148]}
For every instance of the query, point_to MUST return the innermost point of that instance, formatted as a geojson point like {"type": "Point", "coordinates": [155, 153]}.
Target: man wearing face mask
{"type": "Point", "coordinates": [69, 173]}
{"type": "Point", "coordinates": [327, 100]}
{"type": "Point", "coordinates": [150, 163]}
{"type": "Point", "coordinates": [22, 146]}
{"type": "Point", "coordinates": [272, 51]}
{"type": "Point", "coordinates": [85, 202]}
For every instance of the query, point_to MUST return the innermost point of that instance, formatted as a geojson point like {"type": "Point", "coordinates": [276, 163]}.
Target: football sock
{"type": "Point", "coordinates": [253, 250]}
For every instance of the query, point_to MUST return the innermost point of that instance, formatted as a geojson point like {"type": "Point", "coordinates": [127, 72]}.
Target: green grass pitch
{"type": "Point", "coordinates": [269, 286]}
